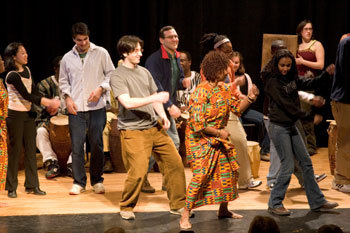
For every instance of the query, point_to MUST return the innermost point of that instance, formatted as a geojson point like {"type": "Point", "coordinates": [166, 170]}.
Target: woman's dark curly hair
{"type": "Point", "coordinates": [293, 72]}
{"type": "Point", "coordinates": [214, 65]}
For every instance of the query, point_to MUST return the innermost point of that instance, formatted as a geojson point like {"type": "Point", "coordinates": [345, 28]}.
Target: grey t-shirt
{"type": "Point", "coordinates": [138, 83]}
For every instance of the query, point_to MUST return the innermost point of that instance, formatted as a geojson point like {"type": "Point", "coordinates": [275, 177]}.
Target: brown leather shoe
{"type": "Point", "coordinates": [281, 211]}
{"type": "Point", "coordinates": [147, 187]}
{"type": "Point", "coordinates": [327, 206]}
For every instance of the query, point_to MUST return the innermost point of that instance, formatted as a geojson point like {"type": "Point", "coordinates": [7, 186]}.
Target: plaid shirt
{"type": "Point", "coordinates": [49, 89]}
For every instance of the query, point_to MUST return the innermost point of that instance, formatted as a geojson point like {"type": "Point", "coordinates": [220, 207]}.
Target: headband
{"type": "Point", "coordinates": [223, 41]}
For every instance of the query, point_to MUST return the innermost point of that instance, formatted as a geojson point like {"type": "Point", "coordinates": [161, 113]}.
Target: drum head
{"type": "Point", "coordinates": [59, 120]}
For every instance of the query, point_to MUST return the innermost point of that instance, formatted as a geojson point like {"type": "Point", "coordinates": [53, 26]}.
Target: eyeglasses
{"type": "Point", "coordinates": [172, 37]}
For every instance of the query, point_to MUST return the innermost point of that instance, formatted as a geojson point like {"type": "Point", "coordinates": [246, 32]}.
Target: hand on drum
{"type": "Point", "coordinates": [53, 106]}
{"type": "Point", "coordinates": [51, 111]}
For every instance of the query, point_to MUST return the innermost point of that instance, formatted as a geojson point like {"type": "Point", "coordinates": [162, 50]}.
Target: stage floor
{"type": "Point", "coordinates": [89, 212]}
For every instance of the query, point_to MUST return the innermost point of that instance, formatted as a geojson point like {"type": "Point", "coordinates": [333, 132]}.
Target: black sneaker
{"type": "Point", "coordinates": [108, 168]}
{"type": "Point", "coordinates": [69, 170]}
{"type": "Point", "coordinates": [53, 169]}
{"type": "Point", "coordinates": [46, 164]}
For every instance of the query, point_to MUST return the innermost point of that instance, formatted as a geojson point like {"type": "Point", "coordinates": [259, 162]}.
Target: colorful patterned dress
{"type": "Point", "coordinates": [213, 160]}
{"type": "Point", "coordinates": [3, 133]}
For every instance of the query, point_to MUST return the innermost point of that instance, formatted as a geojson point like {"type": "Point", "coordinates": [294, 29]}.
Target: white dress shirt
{"type": "Point", "coordinates": [78, 79]}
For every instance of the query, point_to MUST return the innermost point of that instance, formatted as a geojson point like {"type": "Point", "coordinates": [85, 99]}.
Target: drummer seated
{"type": "Point", "coordinates": [50, 160]}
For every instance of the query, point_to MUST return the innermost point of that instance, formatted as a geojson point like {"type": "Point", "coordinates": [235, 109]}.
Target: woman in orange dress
{"type": "Point", "coordinates": [3, 131]}
{"type": "Point", "coordinates": [210, 154]}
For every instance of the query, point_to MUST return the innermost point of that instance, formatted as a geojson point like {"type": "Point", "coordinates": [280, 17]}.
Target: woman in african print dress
{"type": "Point", "coordinates": [3, 131]}
{"type": "Point", "coordinates": [211, 156]}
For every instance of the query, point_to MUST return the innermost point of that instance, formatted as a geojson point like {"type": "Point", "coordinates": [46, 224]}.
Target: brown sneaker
{"type": "Point", "coordinates": [281, 211]}
{"type": "Point", "coordinates": [327, 206]}
{"type": "Point", "coordinates": [147, 188]}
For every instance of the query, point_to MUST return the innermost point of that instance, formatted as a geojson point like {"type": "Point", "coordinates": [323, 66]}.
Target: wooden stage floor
{"type": "Point", "coordinates": [58, 201]}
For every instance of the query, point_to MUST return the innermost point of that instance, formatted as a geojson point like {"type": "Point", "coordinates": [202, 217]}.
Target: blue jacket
{"type": "Point", "coordinates": [158, 63]}
{"type": "Point", "coordinates": [341, 80]}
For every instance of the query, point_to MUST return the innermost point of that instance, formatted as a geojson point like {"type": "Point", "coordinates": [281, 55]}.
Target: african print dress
{"type": "Point", "coordinates": [213, 160]}
{"type": "Point", "coordinates": [3, 133]}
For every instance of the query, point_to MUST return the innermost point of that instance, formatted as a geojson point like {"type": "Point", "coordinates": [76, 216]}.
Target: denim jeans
{"type": "Point", "coordinates": [257, 118]}
{"type": "Point", "coordinates": [290, 146]}
{"type": "Point", "coordinates": [275, 164]}
{"type": "Point", "coordinates": [173, 134]}
{"type": "Point", "coordinates": [92, 123]}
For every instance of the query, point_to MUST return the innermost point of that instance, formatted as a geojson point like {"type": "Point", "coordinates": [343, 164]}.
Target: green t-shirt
{"type": "Point", "coordinates": [82, 57]}
{"type": "Point", "coordinates": [175, 73]}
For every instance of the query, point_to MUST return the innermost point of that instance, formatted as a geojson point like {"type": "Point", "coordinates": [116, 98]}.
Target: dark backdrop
{"type": "Point", "coordinates": [44, 27]}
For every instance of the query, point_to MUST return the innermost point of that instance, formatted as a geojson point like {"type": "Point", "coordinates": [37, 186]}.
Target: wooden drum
{"type": "Point", "coordinates": [115, 148]}
{"type": "Point", "coordinates": [254, 157]}
{"type": "Point", "coordinates": [332, 144]}
{"type": "Point", "coordinates": [60, 139]}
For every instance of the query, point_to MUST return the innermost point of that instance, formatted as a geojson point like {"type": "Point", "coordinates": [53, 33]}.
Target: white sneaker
{"type": "Point", "coordinates": [76, 190]}
{"type": "Point", "coordinates": [345, 188]}
{"type": "Point", "coordinates": [98, 188]}
{"type": "Point", "coordinates": [251, 184]}
{"type": "Point", "coordinates": [127, 215]}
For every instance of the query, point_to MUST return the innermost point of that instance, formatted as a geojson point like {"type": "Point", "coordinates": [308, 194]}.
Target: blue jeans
{"type": "Point", "coordinates": [92, 123]}
{"type": "Point", "coordinates": [290, 146]}
{"type": "Point", "coordinates": [173, 134]}
{"type": "Point", "coordinates": [251, 116]}
{"type": "Point", "coordinates": [275, 164]}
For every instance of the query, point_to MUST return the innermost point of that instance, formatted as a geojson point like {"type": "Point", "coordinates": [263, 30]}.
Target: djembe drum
{"type": "Point", "coordinates": [254, 157]}
{"type": "Point", "coordinates": [332, 144]}
{"type": "Point", "coordinates": [60, 139]}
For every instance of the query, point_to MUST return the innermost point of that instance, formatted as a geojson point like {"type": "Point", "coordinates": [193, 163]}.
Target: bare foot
{"type": "Point", "coordinates": [229, 214]}
{"type": "Point", "coordinates": [185, 223]}
{"type": "Point", "coordinates": [185, 220]}
{"type": "Point", "coordinates": [3, 204]}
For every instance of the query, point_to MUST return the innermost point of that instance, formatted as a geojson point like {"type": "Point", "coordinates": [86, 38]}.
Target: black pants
{"type": "Point", "coordinates": [22, 133]}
